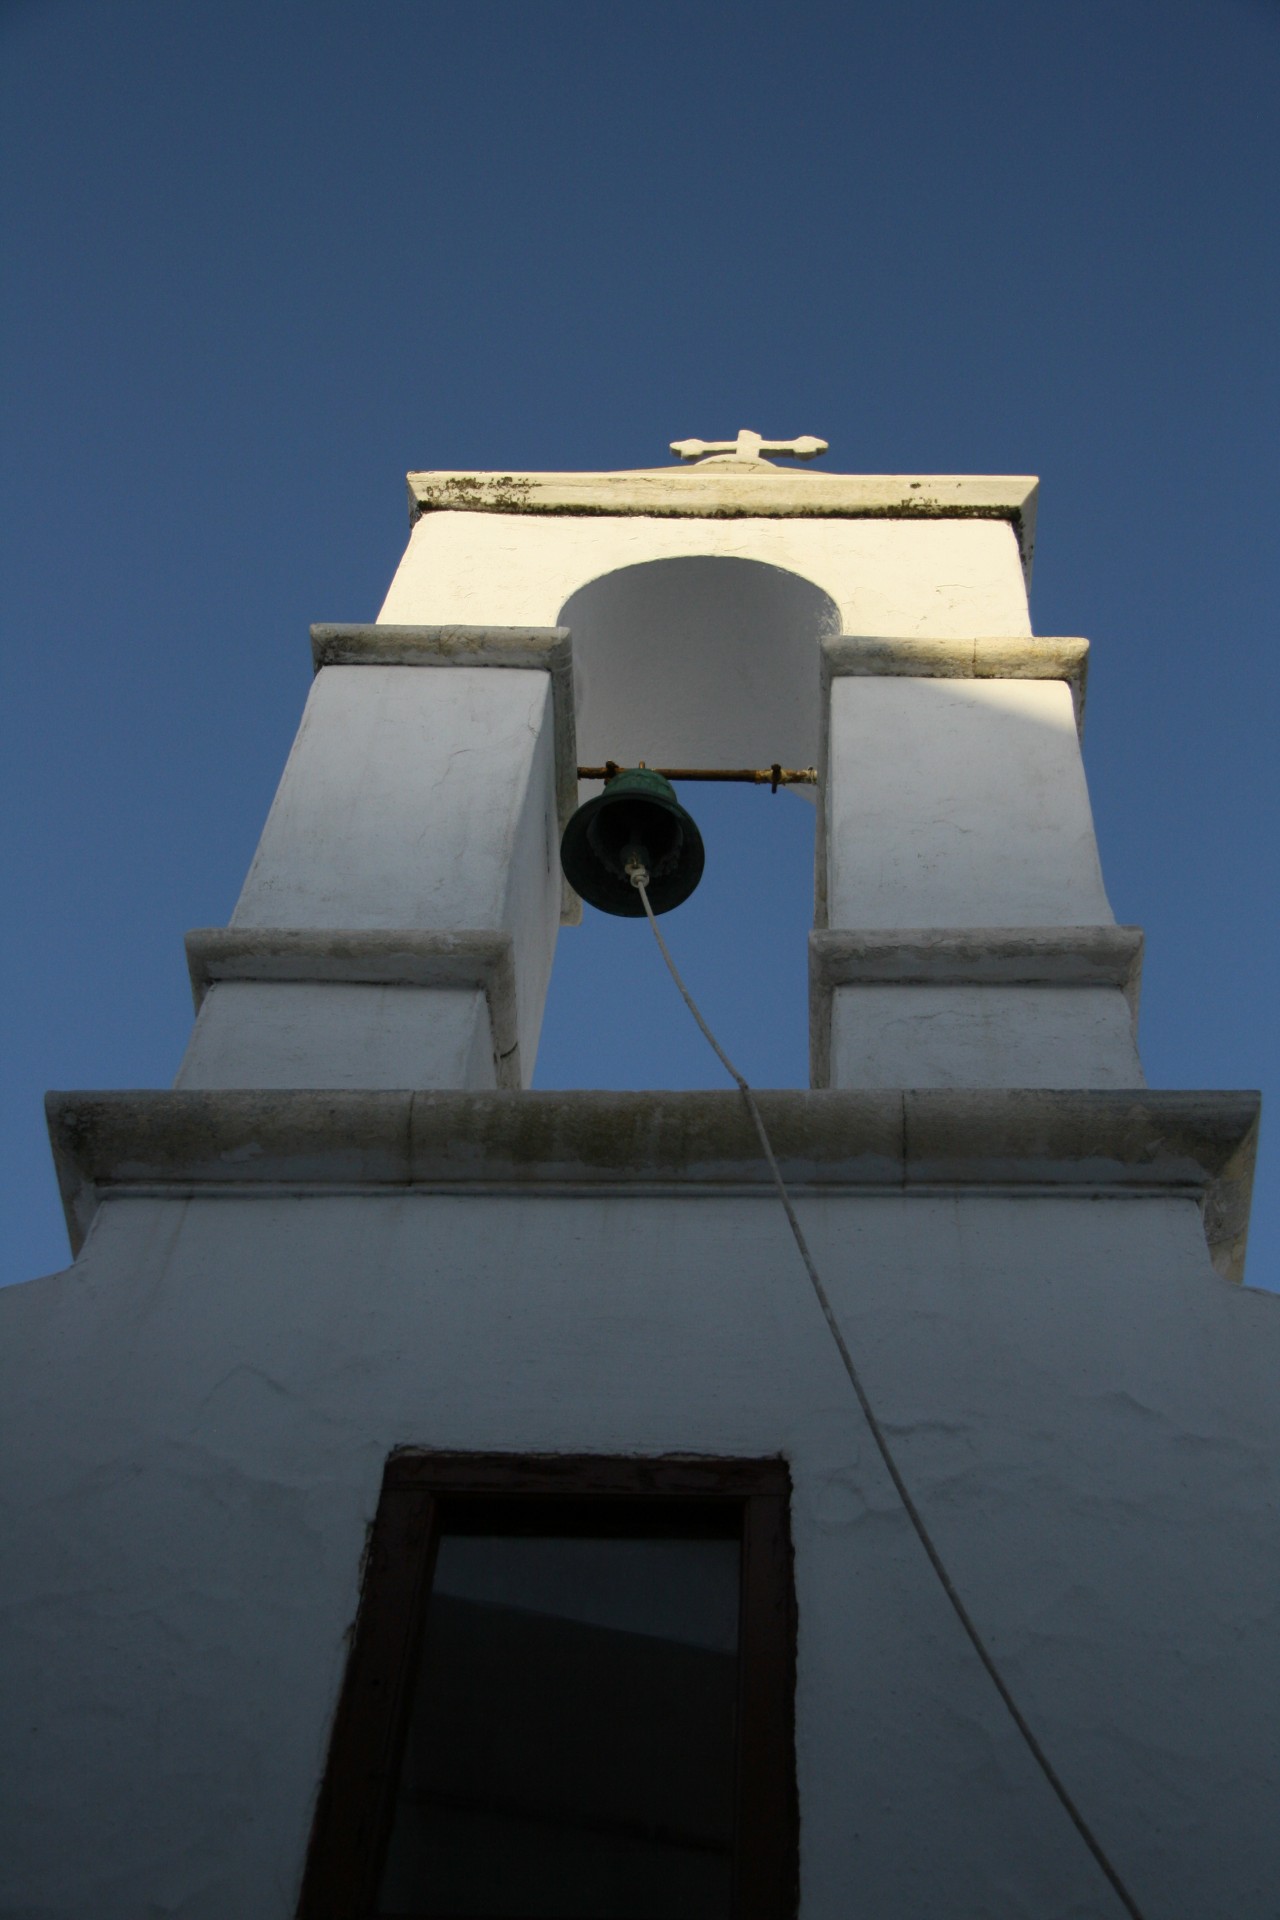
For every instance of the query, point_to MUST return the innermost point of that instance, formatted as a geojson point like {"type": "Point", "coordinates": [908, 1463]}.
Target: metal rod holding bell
{"type": "Point", "coordinates": [772, 777]}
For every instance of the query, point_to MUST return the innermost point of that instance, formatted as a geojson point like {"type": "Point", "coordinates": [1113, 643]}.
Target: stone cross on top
{"type": "Point", "coordinates": [749, 446]}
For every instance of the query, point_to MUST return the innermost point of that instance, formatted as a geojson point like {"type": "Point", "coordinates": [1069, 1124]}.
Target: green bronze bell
{"type": "Point", "coordinates": [636, 818]}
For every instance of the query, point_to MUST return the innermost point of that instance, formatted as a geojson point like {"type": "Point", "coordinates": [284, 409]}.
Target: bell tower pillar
{"type": "Point", "coordinates": [397, 924]}
{"type": "Point", "coordinates": [964, 936]}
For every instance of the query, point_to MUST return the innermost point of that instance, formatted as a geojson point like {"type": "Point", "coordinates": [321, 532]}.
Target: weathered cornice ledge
{"type": "Point", "coordinates": [1107, 956]}
{"type": "Point", "coordinates": [1123, 1143]}
{"type": "Point", "coordinates": [733, 490]}
{"type": "Point", "coordinates": [988, 657]}
{"type": "Point", "coordinates": [375, 957]}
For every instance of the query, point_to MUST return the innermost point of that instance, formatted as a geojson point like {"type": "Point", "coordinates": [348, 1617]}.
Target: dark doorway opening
{"type": "Point", "coordinates": [569, 1697]}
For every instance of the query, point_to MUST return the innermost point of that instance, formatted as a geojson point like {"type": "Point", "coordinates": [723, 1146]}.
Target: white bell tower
{"type": "Point", "coordinates": [429, 1496]}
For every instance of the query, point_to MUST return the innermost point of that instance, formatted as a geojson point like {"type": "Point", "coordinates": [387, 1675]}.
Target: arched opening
{"type": "Point", "coordinates": [698, 662]}
{"type": "Point", "coordinates": [712, 662]}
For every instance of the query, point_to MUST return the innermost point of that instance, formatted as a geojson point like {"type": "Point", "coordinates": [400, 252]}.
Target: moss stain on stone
{"type": "Point", "coordinates": [478, 493]}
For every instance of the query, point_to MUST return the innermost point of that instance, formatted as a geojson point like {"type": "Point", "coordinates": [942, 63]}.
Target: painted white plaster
{"type": "Point", "coordinates": [306, 1033]}
{"type": "Point", "coordinates": [699, 662]}
{"type": "Point", "coordinates": [948, 1006]}
{"type": "Point", "coordinates": [544, 649]}
{"type": "Point", "coordinates": [957, 803]}
{"type": "Point", "coordinates": [400, 802]}
{"type": "Point", "coordinates": [980, 1036]}
{"type": "Point", "coordinates": [909, 576]}
{"type": "Point", "coordinates": [417, 799]}
{"type": "Point", "coordinates": [943, 1139]}
{"type": "Point", "coordinates": [388, 1037]}
{"type": "Point", "coordinates": [976, 657]}
{"type": "Point", "coordinates": [197, 1415]}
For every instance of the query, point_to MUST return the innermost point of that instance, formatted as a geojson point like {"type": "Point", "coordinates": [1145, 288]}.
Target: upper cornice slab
{"type": "Point", "coordinates": [715, 490]}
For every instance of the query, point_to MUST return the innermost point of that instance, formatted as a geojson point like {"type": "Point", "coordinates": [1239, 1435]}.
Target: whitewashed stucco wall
{"type": "Point", "coordinates": [958, 803]}
{"type": "Point", "coordinates": [197, 1415]}
{"type": "Point", "coordinates": [939, 577]}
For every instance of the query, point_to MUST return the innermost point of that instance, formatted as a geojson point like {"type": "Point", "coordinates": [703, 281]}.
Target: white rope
{"type": "Point", "coordinates": [639, 880]}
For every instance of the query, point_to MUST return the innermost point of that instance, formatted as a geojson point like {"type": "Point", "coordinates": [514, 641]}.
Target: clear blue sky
{"type": "Point", "coordinates": [260, 259]}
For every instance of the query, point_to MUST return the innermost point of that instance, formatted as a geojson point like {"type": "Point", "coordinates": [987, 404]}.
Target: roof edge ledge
{"type": "Point", "coordinates": [1122, 1143]}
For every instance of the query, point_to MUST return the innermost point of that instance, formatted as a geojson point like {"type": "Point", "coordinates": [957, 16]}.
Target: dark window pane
{"type": "Point", "coordinates": [570, 1753]}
